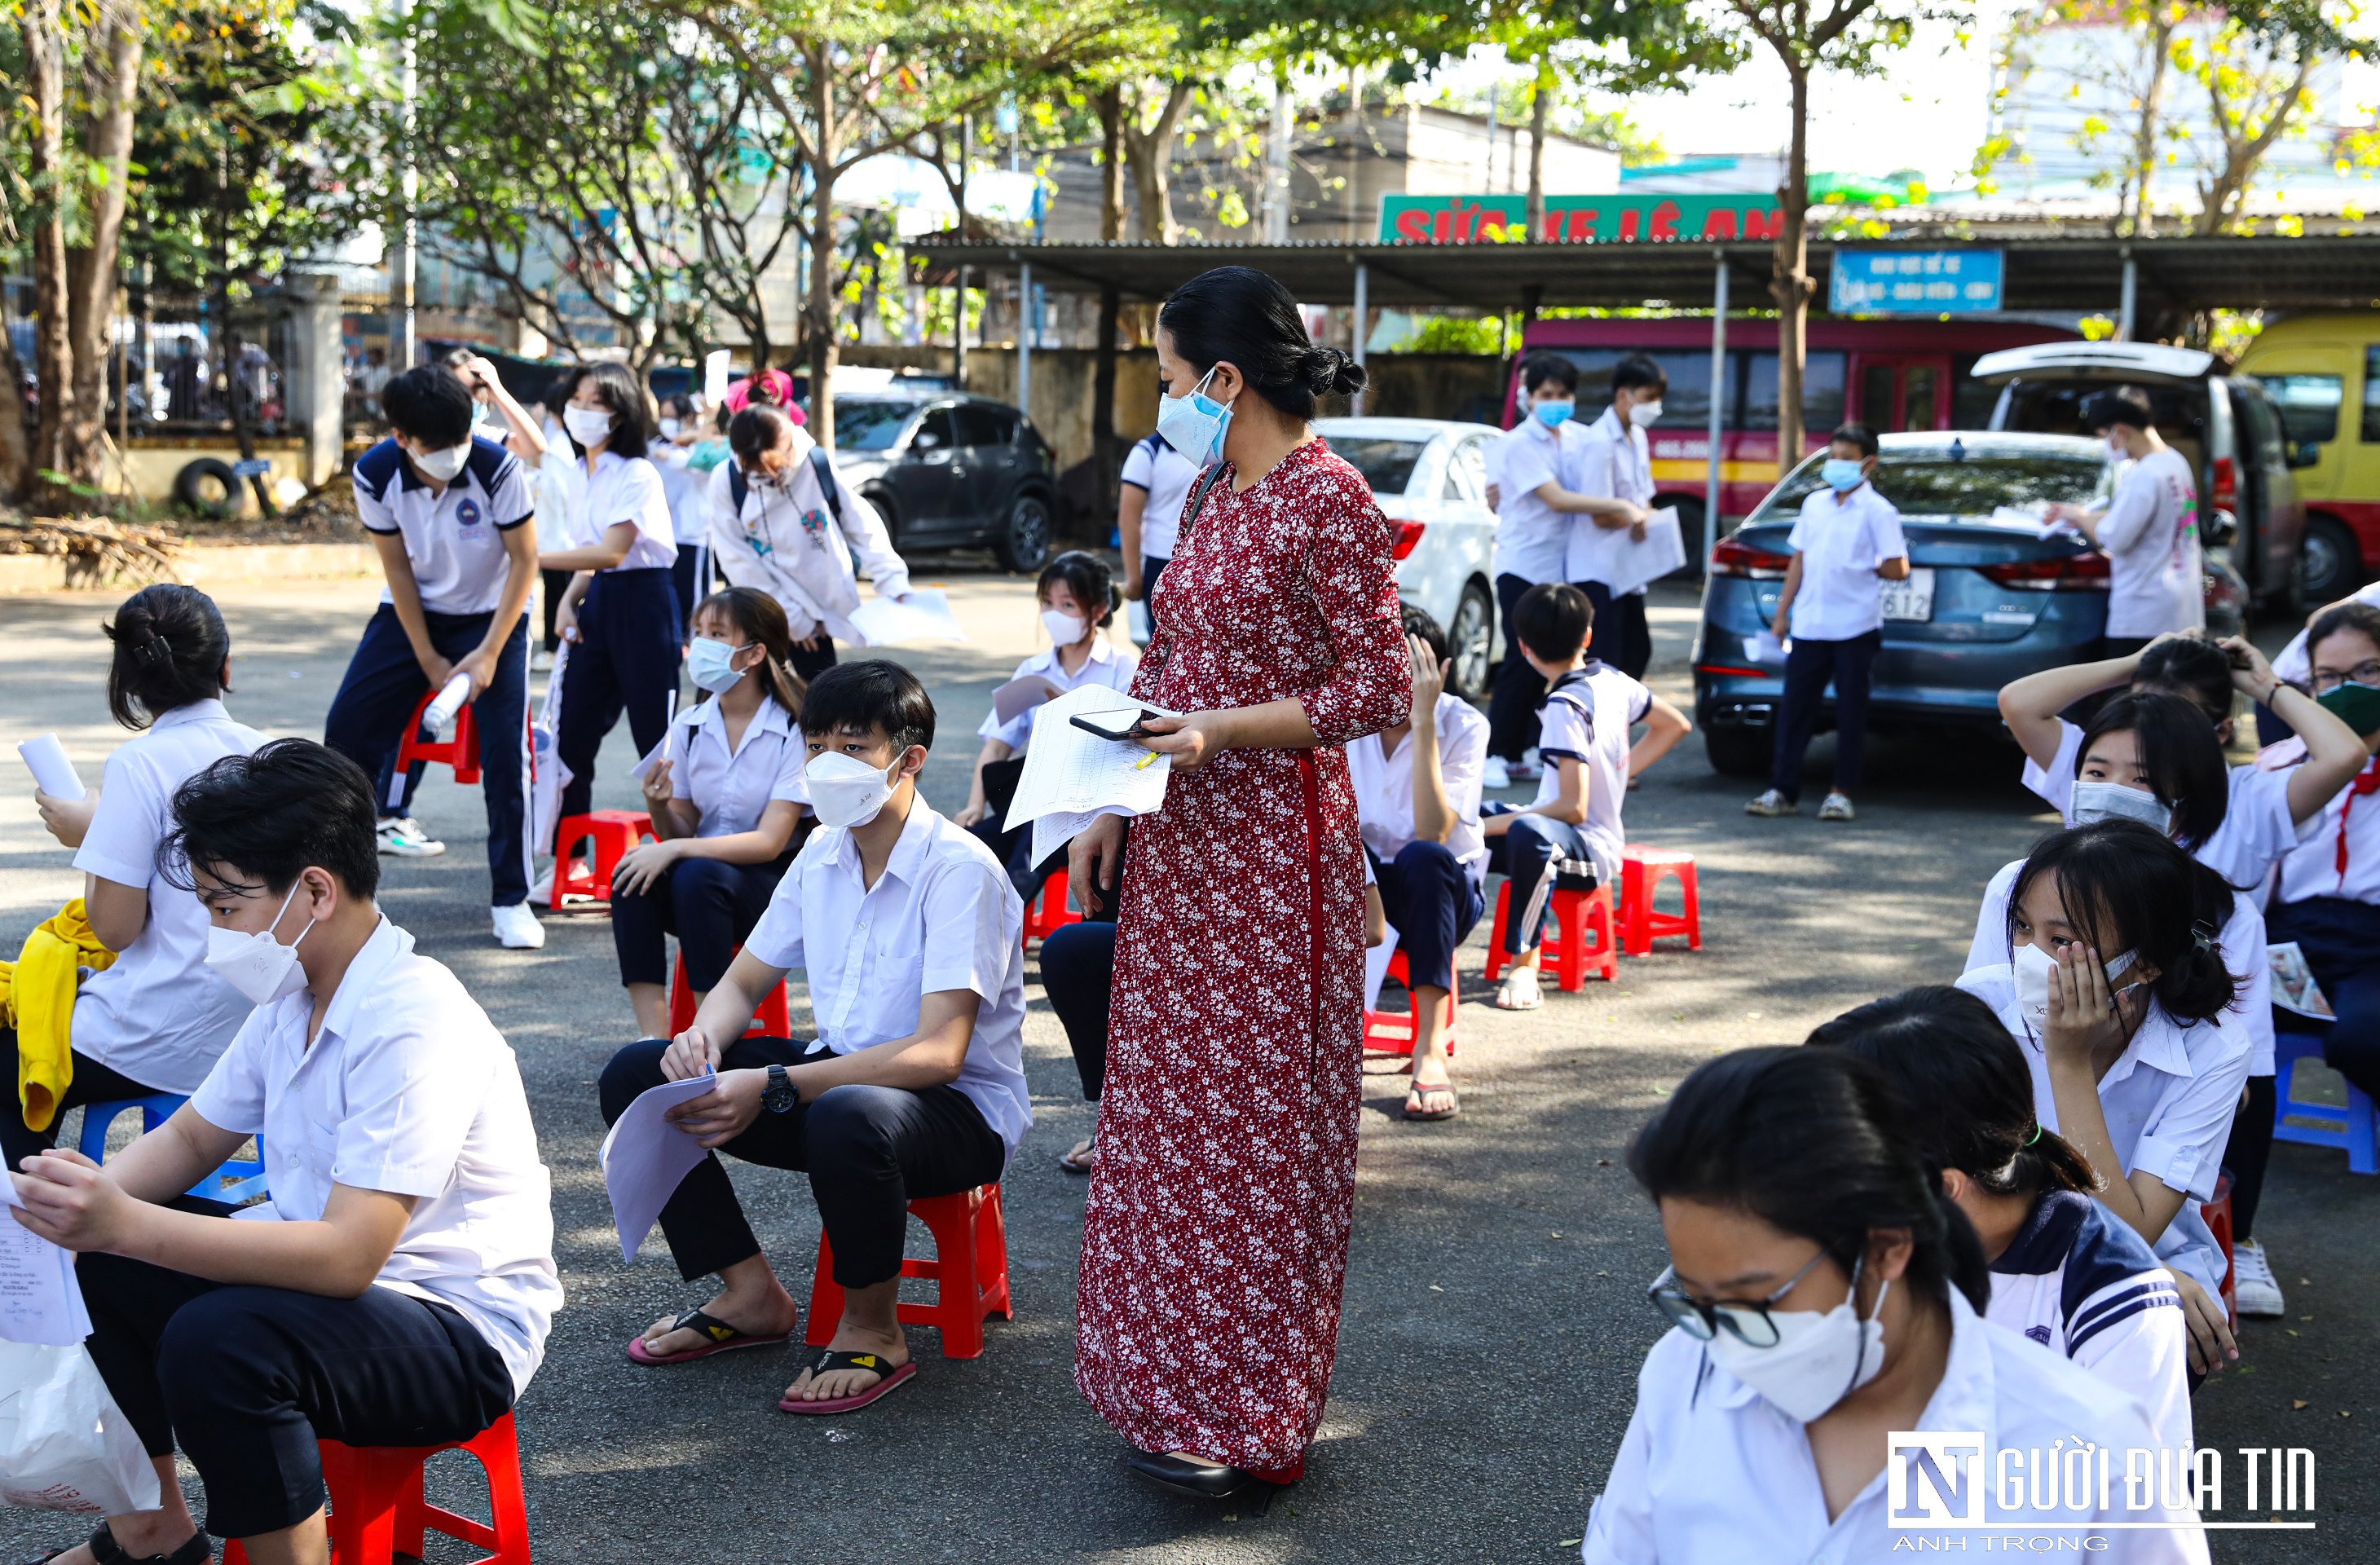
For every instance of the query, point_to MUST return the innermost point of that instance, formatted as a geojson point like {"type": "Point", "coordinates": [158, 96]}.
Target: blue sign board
{"type": "Point", "coordinates": [1903, 281]}
{"type": "Point", "coordinates": [253, 467]}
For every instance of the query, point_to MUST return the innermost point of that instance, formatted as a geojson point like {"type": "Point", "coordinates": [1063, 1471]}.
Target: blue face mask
{"type": "Point", "coordinates": [711, 665]}
{"type": "Point", "coordinates": [1553, 415]}
{"type": "Point", "coordinates": [1841, 473]}
{"type": "Point", "coordinates": [1193, 425]}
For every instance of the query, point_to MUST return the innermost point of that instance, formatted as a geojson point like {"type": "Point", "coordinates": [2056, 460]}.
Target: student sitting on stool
{"type": "Point", "coordinates": [912, 940]}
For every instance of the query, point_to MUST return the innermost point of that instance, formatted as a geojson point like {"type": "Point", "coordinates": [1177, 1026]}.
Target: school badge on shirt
{"type": "Point", "coordinates": [468, 512]}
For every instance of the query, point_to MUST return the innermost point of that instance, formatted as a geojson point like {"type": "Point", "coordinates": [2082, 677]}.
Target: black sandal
{"type": "Point", "coordinates": [196, 1550]}
{"type": "Point", "coordinates": [832, 1359]}
{"type": "Point", "coordinates": [1414, 1097]}
{"type": "Point", "coordinates": [723, 1338]}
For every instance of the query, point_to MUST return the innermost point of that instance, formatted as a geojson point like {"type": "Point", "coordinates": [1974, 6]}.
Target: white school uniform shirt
{"type": "Point", "coordinates": [1153, 466]}
{"type": "Point", "coordinates": [1109, 665]}
{"type": "Point", "coordinates": [1842, 542]}
{"type": "Point", "coordinates": [786, 542]}
{"type": "Point", "coordinates": [1586, 717]}
{"type": "Point", "coordinates": [2340, 854]}
{"type": "Point", "coordinates": [2169, 1101]}
{"type": "Point", "coordinates": [1384, 786]}
{"type": "Point", "coordinates": [731, 788]}
{"type": "Point", "coordinates": [1615, 464]}
{"type": "Point", "coordinates": [1532, 538]}
{"type": "Point", "coordinates": [1711, 1472]}
{"type": "Point", "coordinates": [158, 1015]}
{"type": "Point", "coordinates": [941, 916]}
{"type": "Point", "coordinates": [2150, 531]}
{"type": "Point", "coordinates": [687, 492]}
{"type": "Point", "coordinates": [2295, 664]}
{"type": "Point", "coordinates": [628, 489]}
{"type": "Point", "coordinates": [408, 1089]}
{"type": "Point", "coordinates": [452, 535]}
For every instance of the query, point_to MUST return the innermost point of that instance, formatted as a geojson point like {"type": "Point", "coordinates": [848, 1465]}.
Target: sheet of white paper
{"type": "Point", "coordinates": [40, 1299]}
{"type": "Point", "coordinates": [2015, 516]}
{"type": "Point", "coordinates": [1662, 550]}
{"type": "Point", "coordinates": [53, 773]}
{"type": "Point", "coordinates": [1022, 694]}
{"type": "Point", "coordinates": [645, 1157]}
{"type": "Point", "coordinates": [1766, 648]}
{"type": "Point", "coordinates": [1070, 771]}
{"type": "Point", "coordinates": [1375, 968]}
{"type": "Point", "coordinates": [925, 617]}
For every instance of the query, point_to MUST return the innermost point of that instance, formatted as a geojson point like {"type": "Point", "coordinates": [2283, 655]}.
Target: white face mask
{"type": "Point", "coordinates": [259, 966]}
{"type": "Point", "coordinates": [1818, 1361]}
{"type": "Point", "coordinates": [2117, 448]}
{"type": "Point", "coordinates": [670, 428]}
{"type": "Point", "coordinates": [442, 466]}
{"type": "Point", "coordinates": [1644, 414]}
{"type": "Point", "coordinates": [2114, 801]}
{"type": "Point", "coordinates": [2035, 971]}
{"type": "Point", "coordinates": [846, 791]}
{"type": "Point", "coordinates": [587, 426]}
{"type": "Point", "coordinates": [1064, 629]}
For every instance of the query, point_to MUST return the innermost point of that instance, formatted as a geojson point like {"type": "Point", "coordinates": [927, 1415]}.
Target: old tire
{"type": "Point", "coordinates": [208, 487]}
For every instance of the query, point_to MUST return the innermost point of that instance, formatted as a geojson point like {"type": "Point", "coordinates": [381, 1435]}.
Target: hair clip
{"type": "Point", "coordinates": [155, 649]}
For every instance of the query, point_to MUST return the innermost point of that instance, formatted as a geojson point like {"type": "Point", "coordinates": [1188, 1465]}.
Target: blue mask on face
{"type": "Point", "coordinates": [1553, 415]}
{"type": "Point", "coordinates": [1841, 473]}
{"type": "Point", "coordinates": [711, 665]}
{"type": "Point", "coordinates": [1193, 425]}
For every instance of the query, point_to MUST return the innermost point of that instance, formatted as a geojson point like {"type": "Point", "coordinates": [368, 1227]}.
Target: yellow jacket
{"type": "Point", "coordinates": [37, 996]}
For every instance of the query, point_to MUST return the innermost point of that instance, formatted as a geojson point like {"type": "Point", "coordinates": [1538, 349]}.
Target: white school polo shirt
{"type": "Point", "coordinates": [2155, 582]}
{"type": "Point", "coordinates": [1384, 785]}
{"type": "Point", "coordinates": [730, 789]}
{"type": "Point", "coordinates": [1532, 538]}
{"type": "Point", "coordinates": [1711, 1472]}
{"type": "Point", "coordinates": [628, 489]}
{"type": "Point", "coordinates": [1842, 542]}
{"type": "Point", "coordinates": [159, 1014]}
{"type": "Point", "coordinates": [785, 540]}
{"type": "Point", "coordinates": [1165, 474]}
{"type": "Point", "coordinates": [452, 536]}
{"type": "Point", "coordinates": [1613, 464]}
{"type": "Point", "coordinates": [2340, 855]}
{"type": "Point", "coordinates": [411, 1090]}
{"type": "Point", "coordinates": [941, 916]}
{"type": "Point", "coordinates": [1586, 716]}
{"type": "Point", "coordinates": [1108, 665]}
{"type": "Point", "coordinates": [687, 492]}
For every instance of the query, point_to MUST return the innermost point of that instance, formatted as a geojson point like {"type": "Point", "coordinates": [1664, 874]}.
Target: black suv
{"type": "Point", "coordinates": [949, 471]}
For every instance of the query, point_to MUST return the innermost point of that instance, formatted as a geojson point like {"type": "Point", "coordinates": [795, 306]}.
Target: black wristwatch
{"type": "Point", "coordinates": [779, 1095]}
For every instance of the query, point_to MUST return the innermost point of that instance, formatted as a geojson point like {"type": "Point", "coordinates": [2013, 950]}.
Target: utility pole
{"type": "Point", "coordinates": [1276, 200]}
{"type": "Point", "coordinates": [403, 348]}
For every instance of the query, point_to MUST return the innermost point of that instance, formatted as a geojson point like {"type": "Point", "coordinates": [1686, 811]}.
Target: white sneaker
{"type": "Point", "coordinates": [540, 660]}
{"type": "Point", "coordinates": [1838, 807]}
{"type": "Point", "coordinates": [540, 889]}
{"type": "Point", "coordinates": [2252, 1280]}
{"type": "Point", "coordinates": [1772, 803]}
{"type": "Point", "coordinates": [517, 928]}
{"type": "Point", "coordinates": [1493, 775]}
{"type": "Point", "coordinates": [401, 836]}
{"type": "Point", "coordinates": [1528, 769]}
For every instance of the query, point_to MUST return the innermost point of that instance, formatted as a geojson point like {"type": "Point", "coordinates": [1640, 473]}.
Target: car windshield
{"type": "Point", "coordinates": [1928, 481]}
{"type": "Point", "coordinates": [869, 423]}
{"type": "Point", "coordinates": [1387, 465]}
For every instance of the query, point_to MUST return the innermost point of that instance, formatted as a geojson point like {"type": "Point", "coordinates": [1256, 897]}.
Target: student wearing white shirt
{"type": "Point", "coordinates": [2292, 666]}
{"type": "Point", "coordinates": [2065, 1271]}
{"type": "Point", "coordinates": [726, 797]}
{"type": "Point", "coordinates": [1616, 463]}
{"type": "Point", "coordinates": [156, 1020]}
{"type": "Point", "coordinates": [620, 613]}
{"type": "Point", "coordinates": [398, 1289]}
{"type": "Point", "coordinates": [911, 939]}
{"type": "Point", "coordinates": [2149, 529]}
{"type": "Point", "coordinates": [688, 493]}
{"type": "Point", "coordinates": [785, 519]}
{"type": "Point", "coordinates": [1418, 801]}
{"type": "Point", "coordinates": [1824, 1295]}
{"type": "Point", "coordinates": [1847, 543]}
{"type": "Point", "coordinates": [1156, 482]}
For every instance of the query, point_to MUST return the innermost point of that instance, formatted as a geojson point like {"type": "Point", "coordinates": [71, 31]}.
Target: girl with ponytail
{"type": "Point", "coordinates": [2065, 1272]}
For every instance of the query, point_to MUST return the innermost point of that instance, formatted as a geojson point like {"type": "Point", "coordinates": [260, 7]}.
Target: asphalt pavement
{"type": "Point", "coordinates": [1495, 1312]}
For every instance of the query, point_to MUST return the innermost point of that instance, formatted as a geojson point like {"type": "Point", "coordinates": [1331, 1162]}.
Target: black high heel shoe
{"type": "Point", "coordinates": [1201, 1480]}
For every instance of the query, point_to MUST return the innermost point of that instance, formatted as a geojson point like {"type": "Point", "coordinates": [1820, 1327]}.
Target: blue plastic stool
{"type": "Point", "coordinates": [2355, 1129]}
{"type": "Point", "coordinates": [235, 1181]}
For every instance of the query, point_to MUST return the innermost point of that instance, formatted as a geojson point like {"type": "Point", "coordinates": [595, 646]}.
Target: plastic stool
{"type": "Point", "coordinates": [2217, 1214]}
{"type": "Point", "coordinates": [238, 1180]}
{"type": "Point", "coordinates": [1047, 913]}
{"type": "Point", "coordinates": [2353, 1129]}
{"type": "Point", "coordinates": [1642, 870]}
{"type": "Point", "coordinates": [969, 1269]}
{"type": "Point", "coordinates": [459, 749]}
{"type": "Point", "coordinates": [1392, 1032]}
{"type": "Point", "coordinates": [608, 834]}
{"type": "Point", "coordinates": [766, 1021]}
{"type": "Point", "coordinates": [378, 1512]}
{"type": "Point", "coordinates": [1575, 915]}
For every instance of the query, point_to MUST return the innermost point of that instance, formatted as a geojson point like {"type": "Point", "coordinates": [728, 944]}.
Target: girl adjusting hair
{"type": "Point", "coordinates": [727, 798]}
{"type": "Point", "coordinates": [2065, 1271]}
{"type": "Point", "coordinates": [1825, 1293]}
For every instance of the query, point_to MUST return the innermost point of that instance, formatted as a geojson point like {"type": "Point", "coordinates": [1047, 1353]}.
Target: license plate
{"type": "Point", "coordinates": [1912, 599]}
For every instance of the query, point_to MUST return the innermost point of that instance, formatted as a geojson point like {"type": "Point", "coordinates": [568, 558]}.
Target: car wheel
{"type": "Point", "coordinates": [1739, 752]}
{"type": "Point", "coordinates": [1469, 640]}
{"type": "Point", "coordinates": [1023, 543]}
{"type": "Point", "coordinates": [2334, 562]}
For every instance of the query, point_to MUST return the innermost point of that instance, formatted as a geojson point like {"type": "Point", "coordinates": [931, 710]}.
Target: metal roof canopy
{"type": "Point", "coordinates": [2184, 274]}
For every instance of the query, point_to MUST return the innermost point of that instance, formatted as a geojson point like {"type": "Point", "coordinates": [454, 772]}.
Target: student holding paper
{"type": "Point", "coordinates": [155, 1019]}
{"type": "Point", "coordinates": [401, 1293]}
{"type": "Point", "coordinates": [1615, 462]}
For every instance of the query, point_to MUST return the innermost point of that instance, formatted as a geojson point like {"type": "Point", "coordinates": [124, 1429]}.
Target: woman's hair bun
{"type": "Point", "coordinates": [1329, 371]}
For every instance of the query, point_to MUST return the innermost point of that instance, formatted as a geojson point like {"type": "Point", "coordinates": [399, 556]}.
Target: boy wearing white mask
{"type": "Point", "coordinates": [1615, 463]}
{"type": "Point", "coordinates": [452, 517]}
{"type": "Point", "coordinates": [2149, 529]}
{"type": "Point", "coordinates": [911, 940]}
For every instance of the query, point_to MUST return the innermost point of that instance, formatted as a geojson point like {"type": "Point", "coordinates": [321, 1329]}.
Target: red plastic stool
{"type": "Point", "coordinates": [1642, 870]}
{"type": "Point", "coordinates": [377, 1511]}
{"type": "Point", "coordinates": [1047, 913]}
{"type": "Point", "coordinates": [1574, 915]}
{"type": "Point", "coordinates": [1392, 1032]}
{"type": "Point", "coordinates": [459, 749]}
{"type": "Point", "coordinates": [969, 1269]}
{"type": "Point", "coordinates": [766, 1021]}
{"type": "Point", "coordinates": [2217, 1214]}
{"type": "Point", "coordinates": [608, 834]}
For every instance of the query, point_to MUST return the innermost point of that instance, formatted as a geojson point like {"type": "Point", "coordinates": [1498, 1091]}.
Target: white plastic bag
{"type": "Point", "coordinates": [63, 1443]}
{"type": "Point", "coordinates": [548, 776]}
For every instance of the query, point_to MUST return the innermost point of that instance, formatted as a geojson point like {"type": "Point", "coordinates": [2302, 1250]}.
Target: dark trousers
{"type": "Point", "coordinates": [869, 1151]}
{"type": "Point", "coordinates": [1808, 669]}
{"type": "Point", "coordinates": [1432, 905]}
{"type": "Point", "coordinates": [1513, 701]}
{"type": "Point", "coordinates": [246, 1380]}
{"type": "Point", "coordinates": [1077, 973]}
{"type": "Point", "coordinates": [626, 660]}
{"type": "Point", "coordinates": [91, 1083]}
{"type": "Point", "coordinates": [811, 662]}
{"type": "Point", "coordinates": [2341, 942]}
{"type": "Point", "coordinates": [1621, 637]}
{"type": "Point", "coordinates": [1014, 851]}
{"type": "Point", "coordinates": [1151, 567]}
{"type": "Point", "coordinates": [383, 684]}
{"type": "Point", "coordinates": [708, 903]}
{"type": "Point", "coordinates": [2247, 1153]}
{"type": "Point", "coordinates": [554, 583]}
{"type": "Point", "coordinates": [690, 578]}
{"type": "Point", "coordinates": [1538, 854]}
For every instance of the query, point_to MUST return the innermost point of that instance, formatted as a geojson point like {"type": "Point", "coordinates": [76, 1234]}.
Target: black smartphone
{"type": "Point", "coordinates": [1136, 730]}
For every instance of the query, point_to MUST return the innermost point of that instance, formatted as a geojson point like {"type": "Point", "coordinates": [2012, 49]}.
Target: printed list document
{"type": "Point", "coordinates": [1073, 777]}
{"type": "Point", "coordinates": [1660, 551]}
{"type": "Point", "coordinates": [925, 617]}
{"type": "Point", "coordinates": [645, 1159]}
{"type": "Point", "coordinates": [41, 1300]}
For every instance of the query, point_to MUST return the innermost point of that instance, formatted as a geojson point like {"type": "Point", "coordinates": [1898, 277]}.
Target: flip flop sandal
{"type": "Point", "coordinates": [1066, 1160]}
{"type": "Point", "coordinates": [830, 1360]}
{"type": "Point", "coordinates": [197, 1550]}
{"type": "Point", "coordinates": [724, 1338]}
{"type": "Point", "coordinates": [1509, 993]}
{"type": "Point", "coordinates": [1418, 1091]}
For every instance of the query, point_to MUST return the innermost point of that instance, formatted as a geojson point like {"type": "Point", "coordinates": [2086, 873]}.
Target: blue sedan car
{"type": "Point", "coordinates": [1989, 599]}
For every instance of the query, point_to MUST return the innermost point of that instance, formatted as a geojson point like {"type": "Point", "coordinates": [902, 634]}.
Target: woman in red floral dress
{"type": "Point", "coordinates": [1215, 1236]}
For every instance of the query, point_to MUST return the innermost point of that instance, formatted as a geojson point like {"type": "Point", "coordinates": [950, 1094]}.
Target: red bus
{"type": "Point", "coordinates": [1890, 375]}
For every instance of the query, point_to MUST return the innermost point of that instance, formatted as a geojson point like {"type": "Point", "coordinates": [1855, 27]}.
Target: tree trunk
{"type": "Point", "coordinates": [1791, 282]}
{"type": "Point", "coordinates": [1151, 152]}
{"type": "Point", "coordinates": [825, 348]}
{"type": "Point", "coordinates": [2219, 202]}
{"type": "Point", "coordinates": [112, 70]}
{"type": "Point", "coordinates": [1537, 95]}
{"type": "Point", "coordinates": [45, 163]}
{"type": "Point", "coordinates": [14, 455]}
{"type": "Point", "coordinates": [1111, 110]}
{"type": "Point", "coordinates": [2144, 171]}
{"type": "Point", "coordinates": [1107, 459]}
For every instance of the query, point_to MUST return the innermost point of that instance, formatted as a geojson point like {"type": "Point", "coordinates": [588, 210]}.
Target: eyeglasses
{"type": "Point", "coordinates": [1749, 1322]}
{"type": "Point", "coordinates": [2362, 673]}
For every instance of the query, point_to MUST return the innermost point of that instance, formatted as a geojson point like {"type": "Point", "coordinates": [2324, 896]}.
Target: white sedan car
{"type": "Point", "coordinates": [1430, 477]}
